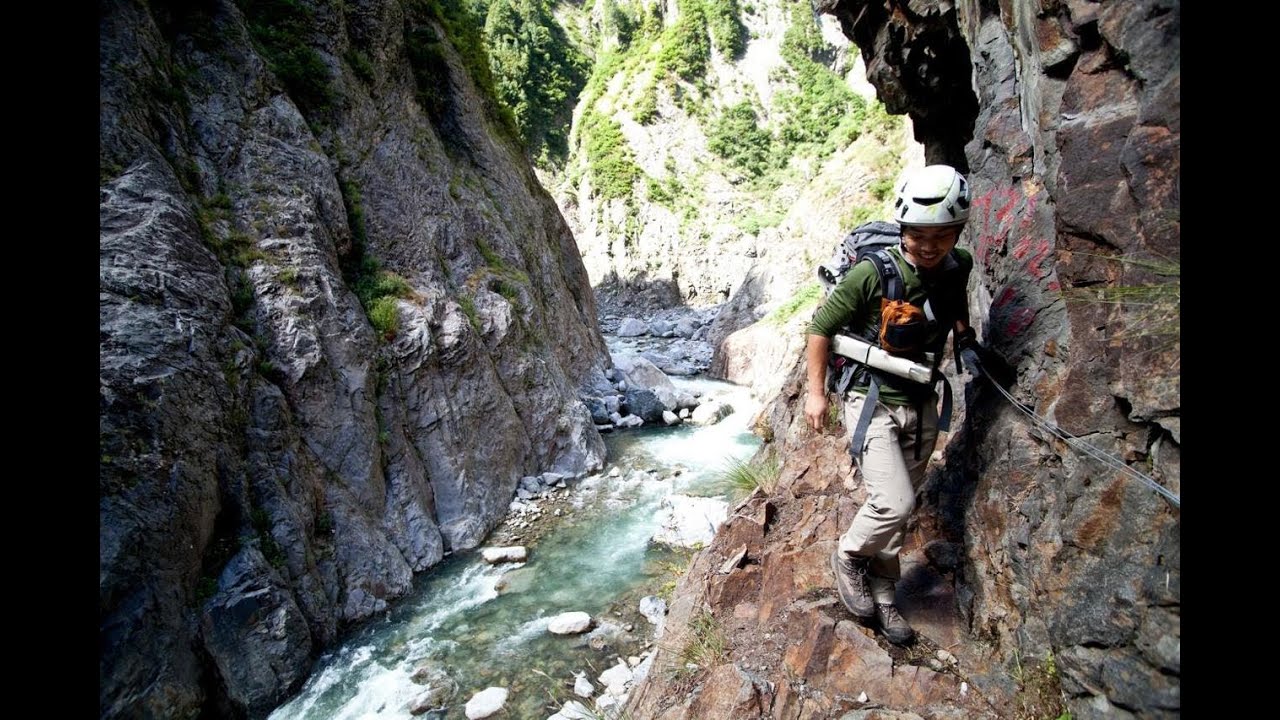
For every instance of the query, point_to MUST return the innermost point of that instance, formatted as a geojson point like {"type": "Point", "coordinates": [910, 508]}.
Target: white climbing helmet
{"type": "Point", "coordinates": [932, 195]}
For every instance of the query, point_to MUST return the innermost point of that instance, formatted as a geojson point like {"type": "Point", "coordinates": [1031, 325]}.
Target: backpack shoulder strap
{"type": "Point", "coordinates": [890, 278]}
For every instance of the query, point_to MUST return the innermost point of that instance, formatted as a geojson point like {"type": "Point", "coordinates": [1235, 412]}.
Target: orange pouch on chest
{"type": "Point", "coordinates": [903, 326]}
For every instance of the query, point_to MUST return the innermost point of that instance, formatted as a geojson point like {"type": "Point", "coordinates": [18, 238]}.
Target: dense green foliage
{"type": "Point", "coordinates": [803, 38]}
{"type": "Point", "coordinates": [617, 22]}
{"type": "Point", "coordinates": [814, 115]}
{"type": "Point", "coordinates": [463, 28]}
{"type": "Point", "coordinates": [282, 29]}
{"type": "Point", "coordinates": [645, 106]}
{"type": "Point", "coordinates": [727, 32]}
{"type": "Point", "coordinates": [609, 162]}
{"type": "Point", "coordinates": [822, 114]}
{"type": "Point", "coordinates": [538, 73]}
{"type": "Point", "coordinates": [738, 138]}
{"type": "Point", "coordinates": [686, 47]}
{"type": "Point", "coordinates": [611, 165]}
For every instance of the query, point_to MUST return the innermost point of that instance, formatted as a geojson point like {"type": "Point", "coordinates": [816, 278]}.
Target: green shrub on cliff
{"type": "Point", "coordinates": [282, 30]}
{"type": "Point", "coordinates": [610, 163]}
{"type": "Point", "coordinates": [740, 478]}
{"type": "Point", "coordinates": [738, 138]}
{"type": "Point", "coordinates": [537, 71]}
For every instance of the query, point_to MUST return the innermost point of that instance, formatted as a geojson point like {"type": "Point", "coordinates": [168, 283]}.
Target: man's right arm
{"type": "Point", "coordinates": [837, 310]}
{"type": "Point", "coordinates": [815, 401]}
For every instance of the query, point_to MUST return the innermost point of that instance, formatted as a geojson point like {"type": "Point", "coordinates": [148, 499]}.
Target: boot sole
{"type": "Point", "coordinates": [835, 570]}
{"type": "Point", "coordinates": [900, 640]}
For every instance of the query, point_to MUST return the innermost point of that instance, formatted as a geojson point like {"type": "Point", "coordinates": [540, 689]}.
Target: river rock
{"type": "Point", "coordinates": [637, 370]}
{"type": "Point", "coordinates": [605, 634]}
{"type": "Point", "coordinates": [512, 553]}
{"type": "Point", "coordinates": [642, 372]}
{"type": "Point", "coordinates": [573, 710]}
{"type": "Point", "coordinates": [582, 687]}
{"type": "Point", "coordinates": [595, 406]}
{"type": "Point", "coordinates": [430, 699]}
{"type": "Point", "coordinates": [653, 608]}
{"type": "Point", "coordinates": [687, 521]}
{"type": "Point", "coordinates": [646, 404]}
{"type": "Point", "coordinates": [570, 623]}
{"type": "Point", "coordinates": [663, 328]}
{"type": "Point", "coordinates": [485, 703]}
{"type": "Point", "coordinates": [631, 327]}
{"type": "Point", "coordinates": [615, 679]}
{"type": "Point", "coordinates": [596, 383]}
{"type": "Point", "coordinates": [711, 412]}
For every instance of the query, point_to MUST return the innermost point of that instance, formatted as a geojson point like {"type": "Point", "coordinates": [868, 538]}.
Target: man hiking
{"type": "Point", "coordinates": [894, 415]}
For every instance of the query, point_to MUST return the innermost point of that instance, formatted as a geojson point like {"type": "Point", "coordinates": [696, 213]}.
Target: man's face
{"type": "Point", "coordinates": [927, 246]}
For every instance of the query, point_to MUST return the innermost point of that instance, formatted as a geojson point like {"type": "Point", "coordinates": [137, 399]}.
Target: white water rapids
{"type": "Point", "coordinates": [457, 633]}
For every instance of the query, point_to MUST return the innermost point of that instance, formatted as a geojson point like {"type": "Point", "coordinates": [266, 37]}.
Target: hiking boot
{"type": "Point", "coordinates": [894, 625]}
{"type": "Point", "coordinates": [851, 583]}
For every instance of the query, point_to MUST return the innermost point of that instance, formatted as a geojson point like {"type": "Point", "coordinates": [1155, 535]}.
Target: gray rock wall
{"type": "Point", "coordinates": [274, 465]}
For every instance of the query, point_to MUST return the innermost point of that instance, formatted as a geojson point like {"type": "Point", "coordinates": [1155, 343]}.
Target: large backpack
{"type": "Point", "coordinates": [870, 241]}
{"type": "Point", "coordinates": [863, 241]}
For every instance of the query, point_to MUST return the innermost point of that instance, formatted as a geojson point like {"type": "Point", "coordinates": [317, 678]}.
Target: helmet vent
{"type": "Point", "coordinates": [929, 200]}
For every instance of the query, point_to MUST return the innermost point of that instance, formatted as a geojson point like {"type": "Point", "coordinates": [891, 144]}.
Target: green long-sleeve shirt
{"type": "Point", "coordinates": [854, 306]}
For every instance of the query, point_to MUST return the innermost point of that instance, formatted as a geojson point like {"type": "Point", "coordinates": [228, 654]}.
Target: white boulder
{"type": "Point", "coordinates": [485, 703]}
{"type": "Point", "coordinates": [570, 623]}
{"type": "Point", "coordinates": [511, 553]}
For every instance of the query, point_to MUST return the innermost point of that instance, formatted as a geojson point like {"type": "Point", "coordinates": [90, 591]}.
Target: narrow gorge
{"type": "Point", "coordinates": [364, 266]}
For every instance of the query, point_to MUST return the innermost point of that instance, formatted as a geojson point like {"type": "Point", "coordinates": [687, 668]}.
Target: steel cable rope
{"type": "Point", "coordinates": [1084, 447]}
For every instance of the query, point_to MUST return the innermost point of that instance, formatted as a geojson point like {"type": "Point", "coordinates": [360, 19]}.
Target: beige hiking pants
{"type": "Point", "coordinates": [891, 475]}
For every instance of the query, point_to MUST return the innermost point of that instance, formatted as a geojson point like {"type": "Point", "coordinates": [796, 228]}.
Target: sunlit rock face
{"type": "Point", "coordinates": [1052, 579]}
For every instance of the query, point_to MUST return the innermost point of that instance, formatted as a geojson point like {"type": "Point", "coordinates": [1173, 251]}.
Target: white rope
{"type": "Point", "coordinates": [1084, 447]}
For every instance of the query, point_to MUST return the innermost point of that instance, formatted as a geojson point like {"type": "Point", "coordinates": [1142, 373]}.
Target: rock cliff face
{"type": "Point", "coordinates": [340, 319]}
{"type": "Point", "coordinates": [1051, 579]}
{"type": "Point", "coordinates": [696, 226]}
{"type": "Point", "coordinates": [692, 228]}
